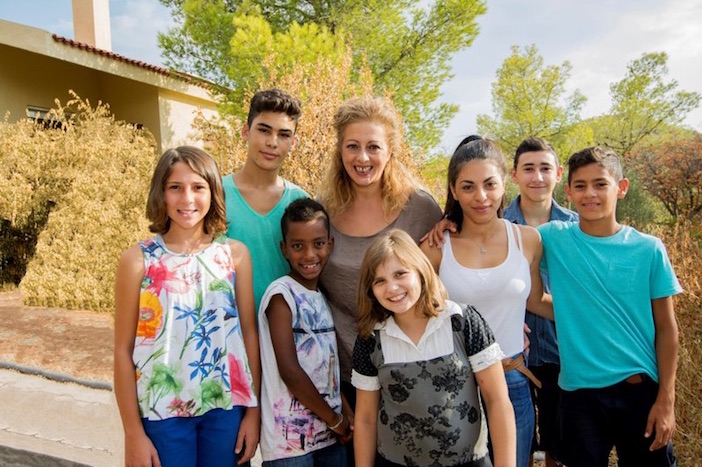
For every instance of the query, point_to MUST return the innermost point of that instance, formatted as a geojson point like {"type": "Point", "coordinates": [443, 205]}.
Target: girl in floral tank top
{"type": "Point", "coordinates": [187, 369]}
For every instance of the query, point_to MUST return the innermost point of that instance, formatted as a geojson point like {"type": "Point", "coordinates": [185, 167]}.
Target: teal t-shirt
{"type": "Point", "coordinates": [602, 289]}
{"type": "Point", "coordinates": [260, 233]}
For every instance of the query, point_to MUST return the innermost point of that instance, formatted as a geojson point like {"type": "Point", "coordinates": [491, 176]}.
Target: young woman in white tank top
{"type": "Point", "coordinates": [492, 265]}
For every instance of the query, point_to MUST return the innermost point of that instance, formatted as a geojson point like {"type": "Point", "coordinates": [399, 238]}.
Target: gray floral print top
{"type": "Point", "coordinates": [429, 413]}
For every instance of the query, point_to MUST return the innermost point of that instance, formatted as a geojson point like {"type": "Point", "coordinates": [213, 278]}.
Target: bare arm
{"type": "Point", "coordinates": [292, 374]}
{"type": "Point", "coordinates": [366, 427]}
{"type": "Point", "coordinates": [138, 448]}
{"type": "Point", "coordinates": [538, 302]}
{"type": "Point", "coordinates": [661, 417]}
{"type": "Point", "coordinates": [249, 431]}
{"type": "Point", "coordinates": [500, 414]}
{"type": "Point", "coordinates": [433, 254]}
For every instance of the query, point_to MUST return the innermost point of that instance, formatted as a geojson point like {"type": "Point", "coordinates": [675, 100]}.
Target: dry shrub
{"type": "Point", "coordinates": [321, 87]}
{"type": "Point", "coordinates": [684, 246]}
{"type": "Point", "coordinates": [91, 176]}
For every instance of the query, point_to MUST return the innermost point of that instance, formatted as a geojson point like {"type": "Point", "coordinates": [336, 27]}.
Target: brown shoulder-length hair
{"type": "Point", "coordinates": [204, 165]}
{"type": "Point", "coordinates": [398, 244]}
{"type": "Point", "coordinates": [397, 183]}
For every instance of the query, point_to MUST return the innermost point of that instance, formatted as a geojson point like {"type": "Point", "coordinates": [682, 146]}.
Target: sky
{"type": "Point", "coordinates": [598, 37]}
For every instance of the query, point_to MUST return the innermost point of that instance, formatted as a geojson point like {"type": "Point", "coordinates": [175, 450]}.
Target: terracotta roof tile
{"type": "Point", "coordinates": [138, 63]}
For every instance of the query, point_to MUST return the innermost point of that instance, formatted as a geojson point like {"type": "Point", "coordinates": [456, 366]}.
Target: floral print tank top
{"type": "Point", "coordinates": [189, 351]}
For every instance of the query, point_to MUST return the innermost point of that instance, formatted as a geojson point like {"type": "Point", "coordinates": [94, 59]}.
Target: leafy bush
{"type": "Point", "coordinates": [76, 191]}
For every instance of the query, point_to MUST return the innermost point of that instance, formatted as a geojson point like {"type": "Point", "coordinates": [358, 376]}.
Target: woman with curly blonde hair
{"type": "Point", "coordinates": [367, 192]}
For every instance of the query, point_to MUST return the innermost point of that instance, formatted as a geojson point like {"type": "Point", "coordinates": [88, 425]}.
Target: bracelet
{"type": "Point", "coordinates": [338, 424]}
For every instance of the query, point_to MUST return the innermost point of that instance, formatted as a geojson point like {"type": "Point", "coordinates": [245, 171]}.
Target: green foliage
{"type": "Point", "coordinates": [644, 101]}
{"type": "Point", "coordinates": [638, 208]}
{"type": "Point", "coordinates": [528, 99]}
{"type": "Point", "coordinates": [77, 193]}
{"type": "Point", "coordinates": [433, 173]}
{"type": "Point", "coordinates": [407, 44]}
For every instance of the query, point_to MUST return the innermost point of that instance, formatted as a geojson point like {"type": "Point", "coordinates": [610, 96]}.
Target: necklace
{"type": "Point", "coordinates": [482, 248]}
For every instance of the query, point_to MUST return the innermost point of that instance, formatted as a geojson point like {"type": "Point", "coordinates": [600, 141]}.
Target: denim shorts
{"type": "Point", "coordinates": [330, 456]}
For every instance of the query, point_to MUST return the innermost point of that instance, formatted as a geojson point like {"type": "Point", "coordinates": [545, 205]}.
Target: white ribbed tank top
{"type": "Point", "coordinates": [498, 293]}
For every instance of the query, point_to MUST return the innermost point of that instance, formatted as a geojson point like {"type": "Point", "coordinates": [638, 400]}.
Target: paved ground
{"type": "Point", "coordinates": [65, 420]}
{"type": "Point", "coordinates": [56, 403]}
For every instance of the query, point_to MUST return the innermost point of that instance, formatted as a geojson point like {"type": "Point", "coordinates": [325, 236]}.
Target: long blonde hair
{"type": "Point", "coordinates": [397, 183]}
{"type": "Point", "coordinates": [396, 244]}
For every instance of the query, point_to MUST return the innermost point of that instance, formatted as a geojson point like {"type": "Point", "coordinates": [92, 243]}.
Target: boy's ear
{"type": "Point", "coordinates": [623, 188]}
{"type": "Point", "coordinates": [245, 132]}
{"type": "Point", "coordinates": [284, 249]}
{"type": "Point", "coordinates": [513, 173]}
{"type": "Point", "coordinates": [566, 187]}
{"type": "Point", "coordinates": [559, 174]}
{"type": "Point", "coordinates": [331, 242]}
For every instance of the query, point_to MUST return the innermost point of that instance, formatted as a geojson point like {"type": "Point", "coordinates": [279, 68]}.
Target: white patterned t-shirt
{"type": "Point", "coordinates": [288, 428]}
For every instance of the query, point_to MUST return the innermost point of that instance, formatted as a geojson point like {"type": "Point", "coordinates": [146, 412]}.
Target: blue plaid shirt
{"type": "Point", "coordinates": [543, 346]}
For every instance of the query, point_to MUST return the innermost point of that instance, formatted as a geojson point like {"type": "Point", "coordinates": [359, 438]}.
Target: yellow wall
{"type": "Point", "coordinates": [35, 70]}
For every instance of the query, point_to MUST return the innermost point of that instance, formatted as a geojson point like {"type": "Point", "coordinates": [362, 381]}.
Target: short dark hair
{"type": "Point", "coordinates": [303, 210]}
{"type": "Point", "coordinates": [534, 144]}
{"type": "Point", "coordinates": [600, 155]}
{"type": "Point", "coordinates": [274, 100]}
{"type": "Point", "coordinates": [203, 164]}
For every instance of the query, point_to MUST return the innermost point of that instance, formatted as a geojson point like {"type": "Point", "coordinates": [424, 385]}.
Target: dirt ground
{"type": "Point", "coordinates": [68, 342]}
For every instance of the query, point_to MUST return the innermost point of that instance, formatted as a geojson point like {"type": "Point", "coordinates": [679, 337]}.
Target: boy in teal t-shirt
{"type": "Point", "coordinates": [256, 196]}
{"type": "Point", "coordinates": [612, 291]}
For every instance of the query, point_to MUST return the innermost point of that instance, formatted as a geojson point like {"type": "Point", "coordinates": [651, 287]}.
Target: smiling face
{"type": "Point", "coordinates": [365, 152]}
{"type": "Point", "coordinates": [594, 191]}
{"type": "Point", "coordinates": [396, 287]}
{"type": "Point", "coordinates": [307, 246]}
{"type": "Point", "coordinates": [270, 139]}
{"type": "Point", "coordinates": [187, 196]}
{"type": "Point", "coordinates": [537, 174]}
{"type": "Point", "coordinates": [479, 189]}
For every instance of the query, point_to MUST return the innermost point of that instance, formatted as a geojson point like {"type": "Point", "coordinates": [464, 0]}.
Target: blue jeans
{"type": "Point", "coordinates": [209, 439]}
{"type": "Point", "coordinates": [330, 456]}
{"type": "Point", "coordinates": [520, 396]}
{"type": "Point", "coordinates": [594, 420]}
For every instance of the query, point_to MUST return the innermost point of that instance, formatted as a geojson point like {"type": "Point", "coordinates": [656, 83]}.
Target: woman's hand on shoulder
{"type": "Point", "coordinates": [435, 237]}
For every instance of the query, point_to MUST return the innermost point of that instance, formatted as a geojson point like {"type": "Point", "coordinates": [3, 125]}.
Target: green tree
{"type": "Point", "coordinates": [407, 44]}
{"type": "Point", "coordinates": [529, 99]}
{"type": "Point", "coordinates": [643, 102]}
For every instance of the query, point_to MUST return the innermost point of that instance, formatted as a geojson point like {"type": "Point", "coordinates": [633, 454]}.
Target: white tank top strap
{"type": "Point", "coordinates": [513, 244]}
{"type": "Point", "coordinates": [519, 236]}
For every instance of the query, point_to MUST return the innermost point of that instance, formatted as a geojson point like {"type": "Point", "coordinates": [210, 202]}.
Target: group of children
{"type": "Point", "coordinates": [222, 335]}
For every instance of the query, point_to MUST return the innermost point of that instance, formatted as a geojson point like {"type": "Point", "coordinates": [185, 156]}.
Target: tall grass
{"type": "Point", "coordinates": [684, 243]}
